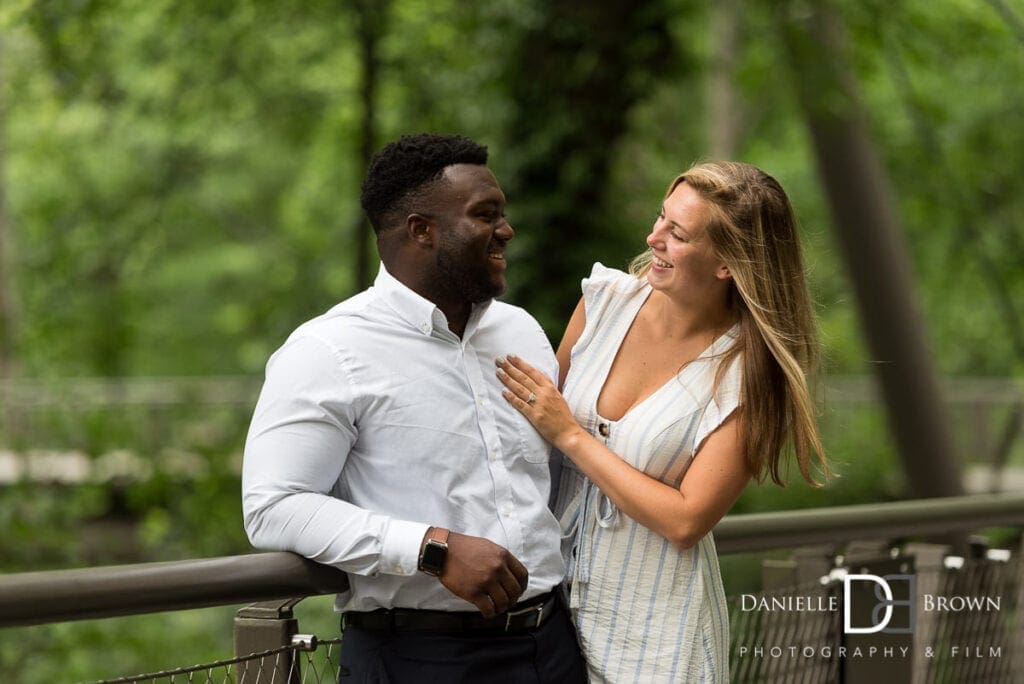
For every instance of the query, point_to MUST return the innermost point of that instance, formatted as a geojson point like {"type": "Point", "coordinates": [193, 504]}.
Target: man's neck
{"type": "Point", "coordinates": [457, 316]}
{"type": "Point", "coordinates": [456, 311]}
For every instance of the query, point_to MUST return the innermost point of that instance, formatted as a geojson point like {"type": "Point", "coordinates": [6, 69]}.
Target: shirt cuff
{"type": "Point", "coordinates": [400, 552]}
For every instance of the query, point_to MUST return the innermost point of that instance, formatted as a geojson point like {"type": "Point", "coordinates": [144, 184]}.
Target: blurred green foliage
{"type": "Point", "coordinates": [180, 190]}
{"type": "Point", "coordinates": [116, 647]}
{"type": "Point", "coordinates": [182, 178]}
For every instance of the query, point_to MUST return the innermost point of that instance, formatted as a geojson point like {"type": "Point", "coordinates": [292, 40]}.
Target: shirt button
{"type": "Point", "coordinates": [425, 327]}
{"type": "Point", "coordinates": [494, 455]}
{"type": "Point", "coordinates": [604, 429]}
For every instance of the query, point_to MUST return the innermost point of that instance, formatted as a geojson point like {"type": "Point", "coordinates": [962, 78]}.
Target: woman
{"type": "Point", "coordinates": [682, 380]}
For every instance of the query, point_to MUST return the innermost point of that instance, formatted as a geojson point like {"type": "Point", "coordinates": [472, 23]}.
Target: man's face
{"type": "Point", "coordinates": [472, 233]}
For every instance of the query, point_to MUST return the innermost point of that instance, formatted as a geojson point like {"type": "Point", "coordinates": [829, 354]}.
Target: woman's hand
{"type": "Point", "coordinates": [536, 397]}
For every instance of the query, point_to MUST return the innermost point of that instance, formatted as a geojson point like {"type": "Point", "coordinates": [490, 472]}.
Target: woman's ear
{"type": "Point", "coordinates": [723, 272]}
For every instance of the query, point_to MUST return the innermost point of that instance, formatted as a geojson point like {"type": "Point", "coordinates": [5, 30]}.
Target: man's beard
{"type": "Point", "coordinates": [473, 285]}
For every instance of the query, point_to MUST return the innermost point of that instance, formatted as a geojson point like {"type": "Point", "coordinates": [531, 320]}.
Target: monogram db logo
{"type": "Point", "coordinates": [872, 611]}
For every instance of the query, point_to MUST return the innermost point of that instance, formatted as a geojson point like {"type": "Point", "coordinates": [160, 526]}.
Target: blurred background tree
{"type": "Point", "coordinates": [181, 179]}
{"type": "Point", "coordinates": [179, 189]}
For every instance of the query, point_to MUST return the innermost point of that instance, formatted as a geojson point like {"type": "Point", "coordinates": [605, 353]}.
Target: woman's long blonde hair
{"type": "Point", "coordinates": [752, 229]}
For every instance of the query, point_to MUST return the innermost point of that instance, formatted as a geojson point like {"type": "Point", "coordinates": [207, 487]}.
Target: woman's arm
{"type": "Point", "coordinates": [573, 330]}
{"type": "Point", "coordinates": [714, 481]}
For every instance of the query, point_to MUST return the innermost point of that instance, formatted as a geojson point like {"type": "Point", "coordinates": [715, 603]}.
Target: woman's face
{"type": "Point", "coordinates": [684, 264]}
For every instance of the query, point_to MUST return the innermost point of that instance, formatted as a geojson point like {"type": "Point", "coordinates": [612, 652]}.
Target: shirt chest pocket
{"type": "Point", "coordinates": [520, 440]}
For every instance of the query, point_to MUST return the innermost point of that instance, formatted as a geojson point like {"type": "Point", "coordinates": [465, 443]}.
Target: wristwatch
{"type": "Point", "coordinates": [434, 551]}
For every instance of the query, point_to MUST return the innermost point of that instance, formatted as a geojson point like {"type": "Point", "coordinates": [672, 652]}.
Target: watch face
{"type": "Point", "coordinates": [433, 556]}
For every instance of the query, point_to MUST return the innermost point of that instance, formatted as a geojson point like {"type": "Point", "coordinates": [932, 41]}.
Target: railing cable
{"type": "Point", "coordinates": [226, 663]}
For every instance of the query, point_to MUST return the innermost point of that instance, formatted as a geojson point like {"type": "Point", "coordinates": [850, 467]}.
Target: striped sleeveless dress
{"type": "Point", "coordinates": [644, 610]}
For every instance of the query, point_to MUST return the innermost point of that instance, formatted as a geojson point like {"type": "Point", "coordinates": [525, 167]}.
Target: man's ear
{"type": "Point", "coordinates": [420, 229]}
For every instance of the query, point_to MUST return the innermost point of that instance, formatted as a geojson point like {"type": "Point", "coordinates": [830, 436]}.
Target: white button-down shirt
{"type": "Point", "coordinates": [376, 421]}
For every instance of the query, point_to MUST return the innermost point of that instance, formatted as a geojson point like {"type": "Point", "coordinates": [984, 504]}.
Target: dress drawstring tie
{"type": "Point", "coordinates": [588, 507]}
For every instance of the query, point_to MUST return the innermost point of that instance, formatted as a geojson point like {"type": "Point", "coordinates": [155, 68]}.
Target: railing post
{"type": "Point", "coordinates": [262, 627]}
{"type": "Point", "coordinates": [930, 580]}
{"type": "Point", "coordinates": [987, 578]}
{"type": "Point", "coordinates": [1017, 628]}
{"type": "Point", "coordinates": [802, 574]}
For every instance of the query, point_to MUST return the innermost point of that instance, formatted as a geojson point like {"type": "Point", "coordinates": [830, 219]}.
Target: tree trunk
{"type": "Point", "coordinates": [873, 248]}
{"type": "Point", "coordinates": [724, 124]}
{"type": "Point", "coordinates": [8, 298]}
{"type": "Point", "coordinates": [370, 22]}
{"type": "Point", "coordinates": [573, 76]}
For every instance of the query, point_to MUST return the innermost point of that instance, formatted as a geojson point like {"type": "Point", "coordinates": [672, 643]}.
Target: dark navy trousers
{"type": "Point", "coordinates": [547, 655]}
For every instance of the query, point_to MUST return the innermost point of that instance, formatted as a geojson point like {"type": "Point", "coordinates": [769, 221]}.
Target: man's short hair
{"type": "Point", "coordinates": [405, 166]}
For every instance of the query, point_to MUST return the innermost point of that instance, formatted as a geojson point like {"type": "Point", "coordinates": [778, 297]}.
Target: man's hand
{"type": "Point", "coordinates": [483, 573]}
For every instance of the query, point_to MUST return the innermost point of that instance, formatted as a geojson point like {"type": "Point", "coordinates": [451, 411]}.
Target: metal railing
{"type": "Point", "coordinates": [919, 645]}
{"type": "Point", "coordinates": [279, 580]}
{"type": "Point", "coordinates": [916, 518]}
{"type": "Point", "coordinates": [31, 598]}
{"type": "Point", "coordinates": [58, 595]}
{"type": "Point", "coordinates": [280, 665]}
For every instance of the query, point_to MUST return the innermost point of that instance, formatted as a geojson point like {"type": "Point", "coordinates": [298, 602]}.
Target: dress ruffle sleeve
{"type": "Point", "coordinates": [724, 401]}
{"type": "Point", "coordinates": [600, 289]}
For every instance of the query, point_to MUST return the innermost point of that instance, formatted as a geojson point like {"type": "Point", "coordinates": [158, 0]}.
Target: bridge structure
{"type": "Point", "coordinates": [800, 627]}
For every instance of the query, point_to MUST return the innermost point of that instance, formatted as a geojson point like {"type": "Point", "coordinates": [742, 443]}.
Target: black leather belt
{"type": "Point", "coordinates": [524, 616]}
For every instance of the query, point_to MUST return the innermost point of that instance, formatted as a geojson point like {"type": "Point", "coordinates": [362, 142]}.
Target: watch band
{"type": "Point", "coordinates": [439, 535]}
{"type": "Point", "coordinates": [434, 551]}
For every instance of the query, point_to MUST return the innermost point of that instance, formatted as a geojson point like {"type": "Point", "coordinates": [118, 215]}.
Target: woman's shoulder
{"type": "Point", "coordinates": [603, 280]}
{"type": "Point", "coordinates": [717, 374]}
{"type": "Point", "coordinates": [606, 293]}
{"type": "Point", "coordinates": [730, 376]}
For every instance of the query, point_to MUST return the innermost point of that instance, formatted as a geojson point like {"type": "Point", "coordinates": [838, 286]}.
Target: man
{"type": "Point", "coordinates": [381, 444]}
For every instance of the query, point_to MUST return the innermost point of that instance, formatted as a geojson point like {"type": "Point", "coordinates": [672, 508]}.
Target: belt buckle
{"type": "Point", "coordinates": [538, 609]}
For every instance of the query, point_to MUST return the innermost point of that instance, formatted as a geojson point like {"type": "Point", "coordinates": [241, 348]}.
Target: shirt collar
{"type": "Point", "coordinates": [419, 312]}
